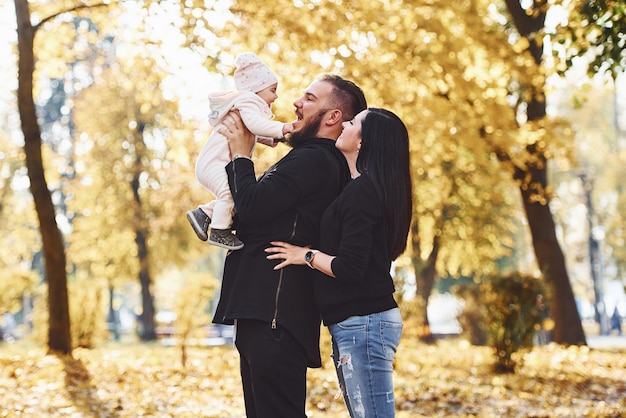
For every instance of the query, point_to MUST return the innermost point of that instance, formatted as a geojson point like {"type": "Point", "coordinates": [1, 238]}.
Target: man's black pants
{"type": "Point", "coordinates": [273, 370]}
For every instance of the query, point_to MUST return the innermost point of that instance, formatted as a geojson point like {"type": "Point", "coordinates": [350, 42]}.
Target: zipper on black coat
{"type": "Point", "coordinates": [235, 175]}
{"type": "Point", "coordinates": [280, 277]}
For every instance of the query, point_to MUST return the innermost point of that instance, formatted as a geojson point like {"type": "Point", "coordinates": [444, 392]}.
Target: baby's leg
{"type": "Point", "coordinates": [223, 210]}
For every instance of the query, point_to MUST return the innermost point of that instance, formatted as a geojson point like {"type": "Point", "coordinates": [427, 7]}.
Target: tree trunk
{"type": "Point", "coordinates": [148, 332]}
{"type": "Point", "coordinates": [425, 284]}
{"type": "Point", "coordinates": [533, 181]}
{"type": "Point", "coordinates": [568, 328]}
{"type": "Point", "coordinates": [59, 336]}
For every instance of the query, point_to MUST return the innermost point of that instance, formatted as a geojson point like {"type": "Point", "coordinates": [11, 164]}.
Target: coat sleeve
{"type": "Point", "coordinates": [280, 188]}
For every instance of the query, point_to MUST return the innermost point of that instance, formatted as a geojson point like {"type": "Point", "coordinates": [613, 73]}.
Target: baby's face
{"type": "Point", "coordinates": [269, 94]}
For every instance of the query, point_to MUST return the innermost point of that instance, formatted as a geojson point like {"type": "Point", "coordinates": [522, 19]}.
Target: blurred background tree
{"type": "Point", "coordinates": [121, 94]}
{"type": "Point", "coordinates": [593, 38]}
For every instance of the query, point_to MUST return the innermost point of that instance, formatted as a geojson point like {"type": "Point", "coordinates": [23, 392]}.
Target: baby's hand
{"type": "Point", "coordinates": [287, 128]}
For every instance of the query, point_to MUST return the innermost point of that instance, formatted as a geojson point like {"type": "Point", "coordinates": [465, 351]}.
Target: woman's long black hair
{"type": "Point", "coordinates": [384, 156]}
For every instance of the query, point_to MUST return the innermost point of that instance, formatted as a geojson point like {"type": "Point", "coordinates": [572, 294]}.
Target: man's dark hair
{"type": "Point", "coordinates": [346, 96]}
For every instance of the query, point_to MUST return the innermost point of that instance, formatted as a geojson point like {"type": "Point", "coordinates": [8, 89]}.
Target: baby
{"type": "Point", "coordinates": [255, 92]}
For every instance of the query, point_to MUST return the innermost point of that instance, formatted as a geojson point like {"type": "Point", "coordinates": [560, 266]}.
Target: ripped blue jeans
{"type": "Point", "coordinates": [363, 351]}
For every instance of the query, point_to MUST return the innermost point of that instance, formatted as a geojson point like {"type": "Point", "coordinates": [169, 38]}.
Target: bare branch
{"type": "Point", "coordinates": [70, 10]}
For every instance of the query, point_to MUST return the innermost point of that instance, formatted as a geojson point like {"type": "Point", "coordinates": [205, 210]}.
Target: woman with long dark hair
{"type": "Point", "coordinates": [362, 232]}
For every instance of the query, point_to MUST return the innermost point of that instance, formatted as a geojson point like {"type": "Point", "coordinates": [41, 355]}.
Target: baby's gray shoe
{"type": "Point", "coordinates": [199, 222]}
{"type": "Point", "coordinates": [225, 238]}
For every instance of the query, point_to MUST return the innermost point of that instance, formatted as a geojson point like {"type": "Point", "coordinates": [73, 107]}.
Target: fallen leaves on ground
{"type": "Point", "coordinates": [449, 378]}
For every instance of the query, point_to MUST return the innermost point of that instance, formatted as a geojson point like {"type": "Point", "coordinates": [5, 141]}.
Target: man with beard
{"type": "Point", "coordinates": [277, 323]}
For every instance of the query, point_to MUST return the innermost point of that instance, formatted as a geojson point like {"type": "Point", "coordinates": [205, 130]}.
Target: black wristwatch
{"type": "Point", "coordinates": [309, 256]}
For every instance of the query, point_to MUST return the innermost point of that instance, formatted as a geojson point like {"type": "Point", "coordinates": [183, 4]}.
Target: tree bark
{"type": "Point", "coordinates": [567, 326]}
{"type": "Point", "coordinates": [148, 332]}
{"type": "Point", "coordinates": [59, 336]}
{"type": "Point", "coordinates": [533, 181]}
{"type": "Point", "coordinates": [425, 284]}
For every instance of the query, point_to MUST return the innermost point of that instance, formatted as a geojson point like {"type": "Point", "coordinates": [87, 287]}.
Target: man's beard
{"type": "Point", "coordinates": [308, 131]}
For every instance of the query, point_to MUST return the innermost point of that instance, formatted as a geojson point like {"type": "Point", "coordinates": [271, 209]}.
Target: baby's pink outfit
{"type": "Point", "coordinates": [215, 155]}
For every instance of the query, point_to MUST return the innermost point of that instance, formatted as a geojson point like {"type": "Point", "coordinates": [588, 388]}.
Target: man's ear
{"type": "Point", "coordinates": [334, 116]}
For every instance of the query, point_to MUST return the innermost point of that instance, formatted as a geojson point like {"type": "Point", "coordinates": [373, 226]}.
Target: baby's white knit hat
{"type": "Point", "coordinates": [252, 74]}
